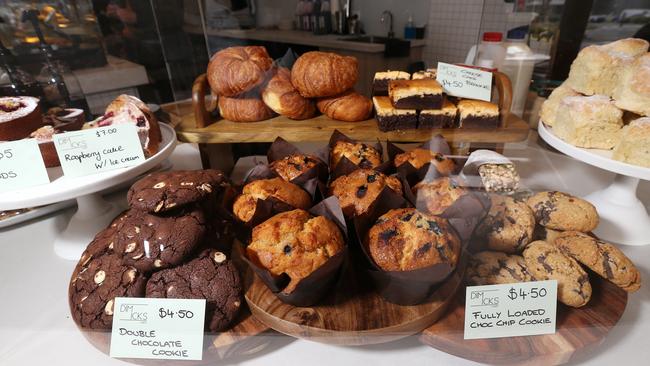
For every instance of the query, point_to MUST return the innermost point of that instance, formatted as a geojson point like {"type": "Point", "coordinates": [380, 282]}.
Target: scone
{"type": "Point", "coordinates": [359, 154]}
{"type": "Point", "coordinates": [603, 258]}
{"type": "Point", "coordinates": [634, 146]}
{"type": "Point", "coordinates": [596, 69]}
{"type": "Point", "coordinates": [495, 268]}
{"type": "Point", "coordinates": [546, 262]}
{"type": "Point", "coordinates": [295, 243]}
{"type": "Point", "coordinates": [552, 103]}
{"type": "Point", "coordinates": [419, 157]}
{"type": "Point", "coordinates": [562, 211]}
{"type": "Point", "coordinates": [589, 122]}
{"type": "Point", "coordinates": [632, 92]}
{"type": "Point", "coordinates": [406, 239]}
{"type": "Point", "coordinates": [293, 166]}
{"type": "Point", "coordinates": [358, 190]}
{"type": "Point", "coordinates": [285, 192]}
{"type": "Point", "coordinates": [508, 226]}
{"type": "Point", "coordinates": [435, 196]}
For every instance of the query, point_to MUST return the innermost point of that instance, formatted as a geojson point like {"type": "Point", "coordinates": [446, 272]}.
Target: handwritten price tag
{"type": "Point", "coordinates": [465, 82]}
{"type": "Point", "coordinates": [169, 329]}
{"type": "Point", "coordinates": [21, 165]}
{"type": "Point", "coordinates": [517, 309]}
{"type": "Point", "coordinates": [100, 149]}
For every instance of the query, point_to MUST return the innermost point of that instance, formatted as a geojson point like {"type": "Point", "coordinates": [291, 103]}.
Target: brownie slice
{"type": "Point", "coordinates": [415, 94]}
{"type": "Point", "coordinates": [478, 114]}
{"type": "Point", "coordinates": [390, 118]}
{"type": "Point", "coordinates": [380, 82]}
{"type": "Point", "coordinates": [438, 118]}
{"type": "Point", "coordinates": [425, 74]}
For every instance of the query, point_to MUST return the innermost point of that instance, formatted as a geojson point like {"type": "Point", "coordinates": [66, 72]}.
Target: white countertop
{"type": "Point", "coordinates": [36, 328]}
{"type": "Point", "coordinates": [306, 38]}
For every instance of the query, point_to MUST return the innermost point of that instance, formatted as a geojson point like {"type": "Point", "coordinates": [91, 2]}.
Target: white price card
{"type": "Point", "coordinates": [21, 165]}
{"type": "Point", "coordinates": [465, 82]}
{"type": "Point", "coordinates": [99, 149]}
{"type": "Point", "coordinates": [169, 329]}
{"type": "Point", "coordinates": [510, 310]}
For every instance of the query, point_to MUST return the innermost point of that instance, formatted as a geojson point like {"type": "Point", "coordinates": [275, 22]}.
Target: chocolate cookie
{"type": "Point", "coordinates": [96, 282]}
{"type": "Point", "coordinates": [153, 242]}
{"type": "Point", "coordinates": [211, 276]}
{"type": "Point", "coordinates": [508, 226]}
{"type": "Point", "coordinates": [494, 268]}
{"type": "Point", "coordinates": [546, 262]}
{"type": "Point", "coordinates": [603, 258]}
{"type": "Point", "coordinates": [358, 190]}
{"type": "Point", "coordinates": [160, 192]}
{"type": "Point", "coordinates": [104, 241]}
{"type": "Point", "coordinates": [561, 211]}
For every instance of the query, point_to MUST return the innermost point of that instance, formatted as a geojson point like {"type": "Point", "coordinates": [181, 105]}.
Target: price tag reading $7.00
{"type": "Point", "coordinates": [98, 149]}
{"type": "Point", "coordinates": [169, 329]}
{"type": "Point", "coordinates": [510, 310]}
{"type": "Point", "coordinates": [21, 165]}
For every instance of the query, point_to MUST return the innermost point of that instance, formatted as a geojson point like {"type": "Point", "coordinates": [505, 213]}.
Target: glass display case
{"type": "Point", "coordinates": [325, 181]}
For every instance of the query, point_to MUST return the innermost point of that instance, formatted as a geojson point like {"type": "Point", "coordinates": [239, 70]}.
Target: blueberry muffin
{"type": "Point", "coordinates": [495, 268]}
{"type": "Point", "coordinates": [210, 276]}
{"type": "Point", "coordinates": [419, 157]}
{"type": "Point", "coordinates": [562, 211]}
{"type": "Point", "coordinates": [435, 196]}
{"type": "Point", "coordinates": [358, 190]}
{"type": "Point", "coordinates": [603, 258]}
{"type": "Point", "coordinates": [546, 262]}
{"type": "Point", "coordinates": [293, 166]}
{"type": "Point", "coordinates": [406, 239]}
{"type": "Point", "coordinates": [362, 155]}
{"type": "Point", "coordinates": [295, 243]}
{"type": "Point", "coordinates": [288, 194]}
{"type": "Point", "coordinates": [508, 226]}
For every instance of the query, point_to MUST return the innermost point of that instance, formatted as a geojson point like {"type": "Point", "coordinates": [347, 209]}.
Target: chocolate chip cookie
{"type": "Point", "coordinates": [154, 242]}
{"type": "Point", "coordinates": [406, 239]}
{"type": "Point", "coordinates": [494, 268]}
{"type": "Point", "coordinates": [358, 190]}
{"type": "Point", "coordinates": [508, 226]}
{"type": "Point", "coordinates": [546, 262]}
{"type": "Point", "coordinates": [211, 276]}
{"type": "Point", "coordinates": [94, 285]}
{"type": "Point", "coordinates": [562, 211]}
{"type": "Point", "coordinates": [603, 258]}
{"type": "Point", "coordinates": [164, 191]}
{"type": "Point", "coordinates": [546, 234]}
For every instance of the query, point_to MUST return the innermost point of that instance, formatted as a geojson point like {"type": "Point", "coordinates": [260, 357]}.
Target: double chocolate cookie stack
{"type": "Point", "coordinates": [404, 101]}
{"type": "Point", "coordinates": [170, 243]}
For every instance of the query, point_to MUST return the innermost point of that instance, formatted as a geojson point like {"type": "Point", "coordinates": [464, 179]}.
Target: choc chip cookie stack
{"type": "Point", "coordinates": [171, 243]}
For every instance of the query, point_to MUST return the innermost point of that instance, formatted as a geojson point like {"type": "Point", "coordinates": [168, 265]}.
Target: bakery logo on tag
{"type": "Point", "coordinates": [158, 328]}
{"type": "Point", "coordinates": [517, 309]}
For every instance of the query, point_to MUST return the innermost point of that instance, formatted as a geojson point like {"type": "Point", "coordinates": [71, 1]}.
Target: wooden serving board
{"type": "Point", "coordinates": [578, 331]}
{"type": "Point", "coordinates": [352, 314]}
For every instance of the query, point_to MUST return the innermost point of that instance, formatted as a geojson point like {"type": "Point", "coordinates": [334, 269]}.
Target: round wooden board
{"type": "Point", "coordinates": [352, 313]}
{"type": "Point", "coordinates": [578, 331]}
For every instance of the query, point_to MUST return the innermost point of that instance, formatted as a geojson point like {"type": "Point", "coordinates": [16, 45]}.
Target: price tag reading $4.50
{"type": "Point", "coordinates": [158, 328]}
{"type": "Point", "coordinates": [510, 310]}
{"type": "Point", "coordinates": [21, 165]}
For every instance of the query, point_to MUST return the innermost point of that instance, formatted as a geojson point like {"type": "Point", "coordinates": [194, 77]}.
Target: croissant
{"type": "Point", "coordinates": [282, 97]}
{"type": "Point", "coordinates": [247, 108]}
{"type": "Point", "coordinates": [322, 74]}
{"type": "Point", "coordinates": [349, 106]}
{"type": "Point", "coordinates": [236, 70]}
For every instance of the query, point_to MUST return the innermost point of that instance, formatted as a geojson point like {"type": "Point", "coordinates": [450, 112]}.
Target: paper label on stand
{"type": "Point", "coordinates": [99, 149]}
{"type": "Point", "coordinates": [465, 82]}
{"type": "Point", "coordinates": [169, 329]}
{"type": "Point", "coordinates": [510, 310]}
{"type": "Point", "coordinates": [21, 165]}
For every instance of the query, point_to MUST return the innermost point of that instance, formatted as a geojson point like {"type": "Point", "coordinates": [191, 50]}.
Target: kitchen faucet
{"type": "Point", "coordinates": [391, 34]}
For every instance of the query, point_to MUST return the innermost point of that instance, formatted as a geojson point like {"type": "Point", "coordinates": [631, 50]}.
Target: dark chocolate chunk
{"type": "Point", "coordinates": [361, 191]}
{"type": "Point", "coordinates": [287, 249]}
{"type": "Point", "coordinates": [423, 249]}
{"type": "Point", "coordinates": [388, 234]}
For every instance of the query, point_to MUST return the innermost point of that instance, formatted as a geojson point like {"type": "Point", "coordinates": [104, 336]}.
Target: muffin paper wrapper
{"type": "Point", "coordinates": [345, 166]}
{"type": "Point", "coordinates": [280, 148]}
{"type": "Point", "coordinates": [314, 287]}
{"type": "Point", "coordinates": [399, 287]}
{"type": "Point", "coordinates": [469, 172]}
{"type": "Point", "coordinates": [414, 175]}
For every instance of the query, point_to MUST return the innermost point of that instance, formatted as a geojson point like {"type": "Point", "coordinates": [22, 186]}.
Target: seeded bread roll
{"type": "Point", "coordinates": [236, 70]}
{"type": "Point", "coordinates": [349, 107]}
{"type": "Point", "coordinates": [283, 98]}
{"type": "Point", "coordinates": [323, 74]}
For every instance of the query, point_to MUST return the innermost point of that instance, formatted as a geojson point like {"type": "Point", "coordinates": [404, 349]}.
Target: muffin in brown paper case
{"type": "Point", "coordinates": [343, 165]}
{"type": "Point", "coordinates": [414, 170]}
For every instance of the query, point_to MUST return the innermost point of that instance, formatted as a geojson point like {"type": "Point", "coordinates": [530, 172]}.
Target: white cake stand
{"type": "Point", "coordinates": [93, 212]}
{"type": "Point", "coordinates": [623, 217]}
